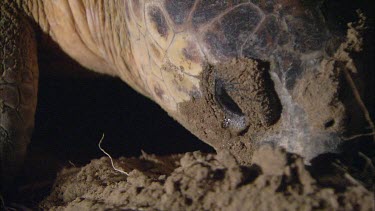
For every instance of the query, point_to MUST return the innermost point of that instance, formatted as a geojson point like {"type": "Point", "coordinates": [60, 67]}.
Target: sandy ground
{"type": "Point", "coordinates": [196, 181]}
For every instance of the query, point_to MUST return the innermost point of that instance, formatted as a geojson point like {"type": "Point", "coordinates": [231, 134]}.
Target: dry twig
{"type": "Point", "coordinates": [360, 102]}
{"type": "Point", "coordinates": [354, 43]}
{"type": "Point", "coordinates": [106, 153]}
{"type": "Point", "coordinates": [358, 136]}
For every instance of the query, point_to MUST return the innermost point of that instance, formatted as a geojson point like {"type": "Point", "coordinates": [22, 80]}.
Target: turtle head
{"type": "Point", "coordinates": [298, 100]}
{"type": "Point", "coordinates": [239, 74]}
{"type": "Point", "coordinates": [248, 103]}
{"type": "Point", "coordinates": [285, 86]}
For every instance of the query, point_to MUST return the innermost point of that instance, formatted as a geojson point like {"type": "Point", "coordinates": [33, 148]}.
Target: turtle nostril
{"type": "Point", "coordinates": [224, 100]}
{"type": "Point", "coordinates": [329, 123]}
{"type": "Point", "coordinates": [242, 96]}
{"type": "Point", "coordinates": [235, 119]}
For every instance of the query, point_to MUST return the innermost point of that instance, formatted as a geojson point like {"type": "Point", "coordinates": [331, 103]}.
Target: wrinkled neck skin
{"type": "Point", "coordinates": [93, 32]}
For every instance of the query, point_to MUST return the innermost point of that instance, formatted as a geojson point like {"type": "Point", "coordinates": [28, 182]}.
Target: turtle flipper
{"type": "Point", "coordinates": [18, 89]}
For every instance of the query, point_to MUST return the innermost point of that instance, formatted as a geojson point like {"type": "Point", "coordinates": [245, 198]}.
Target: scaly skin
{"type": "Point", "coordinates": [93, 32]}
{"type": "Point", "coordinates": [18, 88]}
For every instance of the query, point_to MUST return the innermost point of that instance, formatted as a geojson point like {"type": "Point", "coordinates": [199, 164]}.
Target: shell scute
{"type": "Point", "coordinates": [272, 26]}
{"type": "Point", "coordinates": [308, 34]}
{"type": "Point", "coordinates": [138, 15]}
{"type": "Point", "coordinates": [263, 40]}
{"type": "Point", "coordinates": [160, 93]}
{"type": "Point", "coordinates": [158, 21]}
{"type": "Point", "coordinates": [180, 86]}
{"type": "Point", "coordinates": [137, 8]}
{"type": "Point", "coordinates": [179, 10]}
{"type": "Point", "coordinates": [155, 69]}
{"type": "Point", "coordinates": [185, 54]}
{"type": "Point", "coordinates": [206, 10]}
{"type": "Point", "coordinates": [227, 36]}
{"type": "Point", "coordinates": [192, 53]}
{"type": "Point", "coordinates": [156, 53]}
{"type": "Point", "coordinates": [158, 26]}
{"type": "Point", "coordinates": [140, 55]}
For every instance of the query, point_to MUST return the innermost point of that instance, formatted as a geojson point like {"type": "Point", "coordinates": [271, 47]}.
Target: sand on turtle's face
{"type": "Point", "coordinates": [249, 112]}
{"type": "Point", "coordinates": [231, 116]}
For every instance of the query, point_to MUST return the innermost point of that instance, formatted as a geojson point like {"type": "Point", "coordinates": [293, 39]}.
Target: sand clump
{"type": "Point", "coordinates": [195, 181]}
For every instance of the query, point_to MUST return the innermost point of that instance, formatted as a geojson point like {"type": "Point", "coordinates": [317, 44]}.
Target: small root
{"type": "Point", "coordinates": [358, 136]}
{"type": "Point", "coordinates": [113, 165]}
{"type": "Point", "coordinates": [2, 203]}
{"type": "Point", "coordinates": [71, 163]}
{"type": "Point", "coordinates": [354, 43]}
{"type": "Point", "coordinates": [352, 180]}
{"type": "Point", "coordinates": [360, 102]}
{"type": "Point", "coordinates": [369, 164]}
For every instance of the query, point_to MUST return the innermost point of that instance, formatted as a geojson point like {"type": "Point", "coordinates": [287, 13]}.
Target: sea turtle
{"type": "Point", "coordinates": [236, 73]}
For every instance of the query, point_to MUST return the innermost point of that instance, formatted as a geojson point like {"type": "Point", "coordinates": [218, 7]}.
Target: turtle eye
{"type": "Point", "coordinates": [224, 100]}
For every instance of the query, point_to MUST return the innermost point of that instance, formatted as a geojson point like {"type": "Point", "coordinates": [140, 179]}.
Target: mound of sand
{"type": "Point", "coordinates": [195, 181]}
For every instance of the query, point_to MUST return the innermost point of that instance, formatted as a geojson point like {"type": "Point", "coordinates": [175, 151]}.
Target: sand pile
{"type": "Point", "coordinates": [195, 181]}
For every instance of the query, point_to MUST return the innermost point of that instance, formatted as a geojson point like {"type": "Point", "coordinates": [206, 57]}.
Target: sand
{"type": "Point", "coordinates": [196, 181]}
